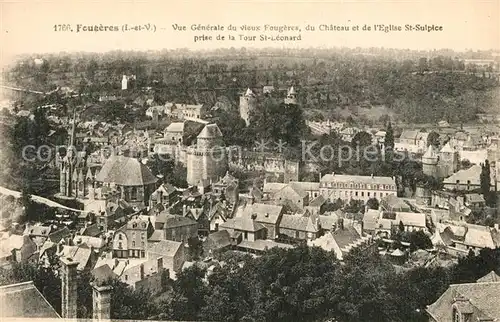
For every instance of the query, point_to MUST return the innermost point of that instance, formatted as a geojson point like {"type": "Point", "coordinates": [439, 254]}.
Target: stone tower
{"type": "Point", "coordinates": [124, 82]}
{"type": "Point", "coordinates": [291, 97]}
{"type": "Point", "coordinates": [430, 161]}
{"type": "Point", "coordinates": [69, 288]}
{"type": "Point", "coordinates": [448, 161]}
{"type": "Point", "coordinates": [207, 159]}
{"type": "Point", "coordinates": [248, 103]}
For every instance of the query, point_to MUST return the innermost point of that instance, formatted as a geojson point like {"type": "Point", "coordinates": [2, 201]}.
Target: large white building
{"type": "Point", "coordinates": [347, 187]}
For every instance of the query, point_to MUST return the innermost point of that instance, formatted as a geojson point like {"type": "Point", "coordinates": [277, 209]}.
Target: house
{"type": "Point", "coordinates": [346, 187]}
{"type": "Point", "coordinates": [409, 137]}
{"type": "Point", "coordinates": [293, 197]}
{"type": "Point", "coordinates": [370, 221]}
{"type": "Point", "coordinates": [174, 133]}
{"type": "Point", "coordinates": [467, 302]}
{"type": "Point", "coordinates": [316, 206]}
{"type": "Point", "coordinates": [130, 240]}
{"type": "Point", "coordinates": [267, 215]}
{"type": "Point", "coordinates": [166, 194]}
{"type": "Point", "coordinates": [90, 230]}
{"type": "Point", "coordinates": [18, 248]}
{"type": "Point", "coordinates": [95, 243]}
{"type": "Point", "coordinates": [200, 216]}
{"type": "Point", "coordinates": [218, 214]}
{"type": "Point", "coordinates": [474, 201]}
{"type": "Point", "coordinates": [216, 242]}
{"type": "Point", "coordinates": [300, 227]}
{"type": "Point", "coordinates": [394, 204]}
{"type": "Point", "coordinates": [128, 270]}
{"type": "Point", "coordinates": [176, 228]}
{"type": "Point", "coordinates": [467, 179]}
{"type": "Point", "coordinates": [81, 254]}
{"type": "Point", "coordinates": [227, 187]}
{"type": "Point", "coordinates": [245, 228]}
{"type": "Point", "coordinates": [173, 255]}
{"type": "Point", "coordinates": [341, 240]}
{"type": "Point", "coordinates": [24, 301]}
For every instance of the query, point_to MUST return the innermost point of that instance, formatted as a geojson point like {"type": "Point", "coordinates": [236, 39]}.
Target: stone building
{"type": "Point", "coordinates": [131, 239]}
{"type": "Point", "coordinates": [347, 187]}
{"type": "Point", "coordinates": [207, 159]}
{"type": "Point", "coordinates": [129, 177]}
{"type": "Point", "coordinates": [176, 228]}
{"type": "Point", "coordinates": [248, 103]}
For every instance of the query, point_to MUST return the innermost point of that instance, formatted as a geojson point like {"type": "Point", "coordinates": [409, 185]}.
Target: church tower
{"type": "Point", "coordinates": [291, 97]}
{"type": "Point", "coordinates": [248, 103]}
{"type": "Point", "coordinates": [430, 161]}
{"type": "Point", "coordinates": [66, 175]}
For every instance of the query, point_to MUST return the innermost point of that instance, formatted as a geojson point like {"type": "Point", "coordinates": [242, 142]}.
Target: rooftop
{"type": "Point", "coordinates": [24, 300]}
{"type": "Point", "coordinates": [125, 171]}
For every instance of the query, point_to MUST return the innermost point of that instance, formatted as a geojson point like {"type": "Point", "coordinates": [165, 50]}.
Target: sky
{"type": "Point", "coordinates": [28, 26]}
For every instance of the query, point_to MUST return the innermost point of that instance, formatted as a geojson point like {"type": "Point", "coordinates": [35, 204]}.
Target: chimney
{"type": "Point", "coordinates": [101, 300]}
{"type": "Point", "coordinates": [69, 288]}
{"type": "Point", "coordinates": [334, 228]}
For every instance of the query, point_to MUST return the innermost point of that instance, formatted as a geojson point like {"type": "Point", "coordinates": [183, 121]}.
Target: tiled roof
{"type": "Point", "coordinates": [171, 221]}
{"type": "Point", "coordinates": [56, 236]}
{"type": "Point", "coordinates": [261, 244]}
{"type": "Point", "coordinates": [271, 187]}
{"type": "Point", "coordinates": [490, 277]}
{"type": "Point", "coordinates": [157, 235]}
{"type": "Point", "coordinates": [472, 174]}
{"type": "Point", "coordinates": [479, 236]}
{"type": "Point", "coordinates": [167, 248]}
{"type": "Point", "coordinates": [357, 179]}
{"type": "Point", "coordinates": [409, 134]}
{"type": "Point", "coordinates": [103, 273]}
{"type": "Point", "coordinates": [298, 223]}
{"type": "Point", "coordinates": [447, 148]}
{"type": "Point", "coordinates": [125, 171]}
{"type": "Point", "coordinates": [175, 127]}
{"type": "Point", "coordinates": [370, 219]}
{"type": "Point", "coordinates": [92, 231]}
{"type": "Point", "coordinates": [411, 219]}
{"type": "Point", "coordinates": [346, 236]}
{"type": "Point", "coordinates": [482, 296]}
{"type": "Point", "coordinates": [94, 242]}
{"type": "Point", "coordinates": [220, 238]}
{"type": "Point", "coordinates": [243, 224]}
{"type": "Point", "coordinates": [23, 300]}
{"type": "Point", "coordinates": [210, 131]}
{"type": "Point", "coordinates": [265, 213]}
{"type": "Point", "coordinates": [318, 201]}
{"type": "Point", "coordinates": [80, 254]}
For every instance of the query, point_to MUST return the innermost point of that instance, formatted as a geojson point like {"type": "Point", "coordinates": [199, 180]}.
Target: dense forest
{"type": "Point", "coordinates": [416, 87]}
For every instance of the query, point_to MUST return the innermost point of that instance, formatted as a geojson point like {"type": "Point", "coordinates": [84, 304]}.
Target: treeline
{"type": "Point", "coordinates": [418, 89]}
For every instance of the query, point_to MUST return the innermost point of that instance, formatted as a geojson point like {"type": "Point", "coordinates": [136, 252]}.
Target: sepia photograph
{"type": "Point", "coordinates": [324, 161]}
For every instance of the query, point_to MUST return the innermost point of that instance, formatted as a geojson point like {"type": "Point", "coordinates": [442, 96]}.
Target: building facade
{"type": "Point", "coordinates": [346, 187]}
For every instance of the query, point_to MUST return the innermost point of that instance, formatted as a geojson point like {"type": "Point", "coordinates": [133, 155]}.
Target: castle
{"type": "Point", "coordinates": [442, 163]}
{"type": "Point", "coordinates": [249, 102]}
{"type": "Point", "coordinates": [206, 160]}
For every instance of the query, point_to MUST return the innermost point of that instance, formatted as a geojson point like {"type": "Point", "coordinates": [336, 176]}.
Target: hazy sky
{"type": "Point", "coordinates": [28, 26]}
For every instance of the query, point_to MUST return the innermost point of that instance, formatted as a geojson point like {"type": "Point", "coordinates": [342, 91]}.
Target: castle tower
{"type": "Point", "coordinates": [101, 301]}
{"type": "Point", "coordinates": [248, 103]}
{"type": "Point", "coordinates": [207, 159]}
{"type": "Point", "coordinates": [448, 161]}
{"type": "Point", "coordinates": [430, 161]}
{"type": "Point", "coordinates": [124, 82]}
{"type": "Point", "coordinates": [69, 288]}
{"type": "Point", "coordinates": [291, 97]}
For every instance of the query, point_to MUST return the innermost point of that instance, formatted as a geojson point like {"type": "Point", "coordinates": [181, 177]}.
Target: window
{"type": "Point", "coordinates": [368, 193]}
{"type": "Point", "coordinates": [143, 254]}
{"type": "Point", "coordinates": [356, 194]}
{"type": "Point", "coordinates": [120, 237]}
{"type": "Point", "coordinates": [362, 193]}
{"type": "Point", "coordinates": [143, 235]}
{"type": "Point", "coordinates": [297, 234]}
{"type": "Point", "coordinates": [120, 245]}
{"type": "Point", "coordinates": [133, 243]}
{"type": "Point", "coordinates": [126, 277]}
{"type": "Point", "coordinates": [142, 244]}
{"type": "Point", "coordinates": [133, 193]}
{"type": "Point", "coordinates": [246, 235]}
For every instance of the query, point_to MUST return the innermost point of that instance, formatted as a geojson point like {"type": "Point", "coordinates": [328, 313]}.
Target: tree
{"type": "Point", "coordinates": [419, 240]}
{"type": "Point", "coordinates": [362, 139]}
{"type": "Point", "coordinates": [433, 139]}
{"type": "Point", "coordinates": [195, 248]}
{"type": "Point", "coordinates": [372, 203]}
{"type": "Point", "coordinates": [485, 181]}
{"type": "Point", "coordinates": [389, 137]}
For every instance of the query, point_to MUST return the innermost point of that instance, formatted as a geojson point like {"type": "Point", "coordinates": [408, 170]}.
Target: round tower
{"type": "Point", "coordinates": [207, 159]}
{"type": "Point", "coordinates": [248, 103]}
{"type": "Point", "coordinates": [291, 97]}
{"type": "Point", "coordinates": [430, 162]}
